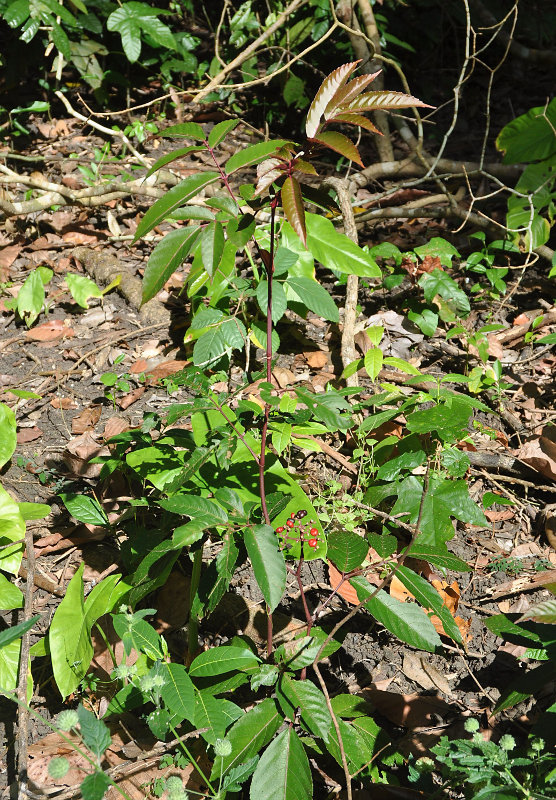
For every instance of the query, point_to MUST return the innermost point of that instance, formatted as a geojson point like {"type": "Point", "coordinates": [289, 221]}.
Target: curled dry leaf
{"type": "Point", "coordinates": [131, 397]}
{"type": "Point", "coordinates": [87, 420]}
{"type": "Point", "coordinates": [79, 451]}
{"type": "Point", "coordinates": [64, 403]}
{"type": "Point", "coordinates": [539, 452]}
{"type": "Point", "coordinates": [115, 425]}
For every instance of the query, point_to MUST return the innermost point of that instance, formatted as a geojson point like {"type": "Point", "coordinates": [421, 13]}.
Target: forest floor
{"type": "Point", "coordinates": [64, 355]}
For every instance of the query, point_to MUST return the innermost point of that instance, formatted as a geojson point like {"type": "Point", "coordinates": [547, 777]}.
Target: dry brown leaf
{"type": "Point", "coordinates": [83, 236]}
{"type": "Point", "coordinates": [131, 397]}
{"type": "Point", "coordinates": [87, 420]}
{"type": "Point", "coordinates": [50, 331]}
{"type": "Point", "coordinates": [525, 584]}
{"type": "Point", "coordinates": [139, 366]}
{"type": "Point", "coordinates": [9, 254]}
{"type": "Point", "coordinates": [78, 452]}
{"type": "Point", "coordinates": [498, 516]}
{"type": "Point", "coordinates": [521, 319]}
{"type": "Point", "coordinates": [346, 590]}
{"type": "Point", "coordinates": [284, 377]}
{"type": "Point", "coordinates": [316, 359]}
{"type": "Point", "coordinates": [409, 710]}
{"type": "Point", "coordinates": [540, 453]}
{"type": "Point", "coordinates": [115, 425]}
{"type": "Point", "coordinates": [25, 435]}
{"type": "Point", "coordinates": [418, 668]}
{"type": "Point", "coordinates": [165, 369]}
{"type": "Point", "coordinates": [64, 403]}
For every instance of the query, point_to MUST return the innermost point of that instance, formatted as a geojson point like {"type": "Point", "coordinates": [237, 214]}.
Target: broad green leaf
{"type": "Point", "coordinates": [138, 635]}
{"type": "Point", "coordinates": [9, 665]}
{"type": "Point", "coordinates": [529, 137]}
{"type": "Point", "coordinates": [210, 348]}
{"type": "Point", "coordinates": [302, 652]}
{"type": "Point", "coordinates": [405, 620]}
{"type": "Point", "coordinates": [444, 500]}
{"type": "Point", "coordinates": [336, 250]}
{"type": "Point", "coordinates": [267, 561]}
{"type": "Point", "coordinates": [15, 632]}
{"type": "Point", "coordinates": [187, 130]}
{"type": "Point", "coordinates": [69, 638]}
{"type": "Point", "coordinates": [257, 334]}
{"type": "Point", "coordinates": [341, 144]}
{"type": "Point", "coordinates": [94, 786]}
{"type": "Point", "coordinates": [216, 714]}
{"type": "Point", "coordinates": [85, 509]}
{"type": "Point", "coordinates": [10, 596]}
{"type": "Point", "coordinates": [248, 735]}
{"type": "Point", "coordinates": [160, 464]}
{"type": "Point", "coordinates": [34, 510]}
{"type": "Point", "coordinates": [311, 702]}
{"type": "Point", "coordinates": [402, 365]}
{"type": "Point", "coordinates": [279, 301]}
{"type": "Point", "coordinates": [449, 420]}
{"type": "Point", "coordinates": [174, 198]}
{"type": "Point", "coordinates": [281, 436]}
{"type": "Point", "coordinates": [346, 550]}
{"type": "Point", "coordinates": [178, 692]}
{"type": "Point", "coordinates": [438, 556]}
{"type": "Point", "coordinates": [168, 255]}
{"type": "Point", "coordinates": [222, 659]}
{"type": "Point", "coordinates": [8, 439]}
{"type": "Point", "coordinates": [12, 529]}
{"type": "Point", "coordinates": [167, 158]}
{"type": "Point", "coordinates": [283, 772]}
{"type": "Point", "coordinates": [314, 297]}
{"type": "Point", "coordinates": [327, 91]}
{"type": "Point", "coordinates": [253, 154]}
{"type": "Point", "coordinates": [212, 246]}
{"type": "Point", "coordinates": [373, 362]}
{"type": "Point", "coordinates": [437, 247]}
{"type": "Point", "coordinates": [96, 736]}
{"type": "Point", "coordinates": [439, 282]}
{"type": "Point", "coordinates": [385, 544]}
{"type": "Point", "coordinates": [195, 506]}
{"type": "Point", "coordinates": [221, 130]}
{"type": "Point", "coordinates": [294, 209]}
{"type": "Point", "coordinates": [30, 299]}
{"type": "Point", "coordinates": [430, 599]}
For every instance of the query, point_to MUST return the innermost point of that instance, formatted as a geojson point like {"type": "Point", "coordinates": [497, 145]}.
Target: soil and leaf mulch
{"type": "Point", "coordinates": [94, 365]}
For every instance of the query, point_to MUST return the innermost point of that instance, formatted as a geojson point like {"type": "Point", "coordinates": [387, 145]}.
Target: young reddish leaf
{"type": "Point", "coordinates": [341, 144]}
{"type": "Point", "coordinates": [382, 100]}
{"type": "Point", "coordinates": [292, 203]}
{"type": "Point", "coordinates": [348, 93]}
{"type": "Point", "coordinates": [267, 172]}
{"type": "Point", "coordinates": [328, 89]}
{"type": "Point", "coordinates": [356, 119]}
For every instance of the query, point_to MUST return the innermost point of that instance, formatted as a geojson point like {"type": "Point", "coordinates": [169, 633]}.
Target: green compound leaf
{"type": "Point", "coordinates": [178, 692]}
{"type": "Point", "coordinates": [221, 130]}
{"type": "Point", "coordinates": [430, 599]}
{"type": "Point", "coordinates": [177, 196]}
{"type": "Point", "coordinates": [346, 550]}
{"type": "Point", "coordinates": [85, 509]}
{"type": "Point", "coordinates": [220, 660]}
{"type": "Point", "coordinates": [283, 772]}
{"type": "Point", "coordinates": [168, 255]}
{"type": "Point", "coordinates": [248, 735]}
{"type": "Point", "coordinates": [267, 561]}
{"type": "Point", "coordinates": [94, 786]}
{"type": "Point", "coordinates": [405, 620]}
{"type": "Point", "coordinates": [311, 702]}
{"type": "Point", "coordinates": [253, 154]}
{"type": "Point", "coordinates": [216, 714]}
{"type": "Point", "coordinates": [314, 296]}
{"type": "Point", "coordinates": [336, 251]}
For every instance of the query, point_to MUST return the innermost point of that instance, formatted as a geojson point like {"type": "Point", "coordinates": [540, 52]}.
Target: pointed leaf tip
{"type": "Point", "coordinates": [328, 89]}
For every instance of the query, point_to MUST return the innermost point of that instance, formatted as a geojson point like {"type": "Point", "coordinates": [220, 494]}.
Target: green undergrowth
{"type": "Point", "coordinates": [212, 474]}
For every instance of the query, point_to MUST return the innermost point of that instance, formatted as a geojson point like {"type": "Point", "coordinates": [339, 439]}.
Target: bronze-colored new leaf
{"type": "Point", "coordinates": [347, 93]}
{"type": "Point", "coordinates": [328, 89]}
{"type": "Point", "coordinates": [371, 101]}
{"type": "Point", "coordinates": [292, 203]}
{"type": "Point", "coordinates": [341, 144]}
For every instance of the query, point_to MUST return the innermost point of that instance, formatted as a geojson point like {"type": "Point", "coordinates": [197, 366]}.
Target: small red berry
{"type": "Point", "coordinates": [314, 532]}
{"type": "Point", "coordinates": [292, 515]}
{"type": "Point", "coordinates": [290, 523]}
{"type": "Point", "coordinates": [312, 542]}
{"type": "Point", "coordinates": [280, 529]}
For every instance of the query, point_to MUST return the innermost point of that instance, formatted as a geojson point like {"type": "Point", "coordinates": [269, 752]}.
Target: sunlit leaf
{"type": "Point", "coordinates": [340, 144]}
{"type": "Point", "coordinates": [326, 92]}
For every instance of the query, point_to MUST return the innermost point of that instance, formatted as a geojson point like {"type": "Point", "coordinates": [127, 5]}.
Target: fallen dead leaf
{"type": "Point", "coordinates": [115, 425]}
{"type": "Point", "coordinates": [78, 452]}
{"type": "Point", "coordinates": [525, 584]}
{"type": "Point", "coordinates": [165, 369]}
{"type": "Point", "coordinates": [521, 319]}
{"type": "Point", "coordinates": [83, 236]}
{"type": "Point", "coordinates": [316, 359]}
{"type": "Point", "coordinates": [87, 420]}
{"type": "Point", "coordinates": [418, 669]}
{"type": "Point", "coordinates": [131, 397]}
{"type": "Point", "coordinates": [409, 710]}
{"type": "Point", "coordinates": [50, 331]}
{"type": "Point", "coordinates": [284, 377]}
{"type": "Point", "coordinates": [498, 516]}
{"type": "Point", "coordinates": [540, 453]}
{"type": "Point", "coordinates": [9, 254]}
{"type": "Point", "coordinates": [139, 366]}
{"type": "Point", "coordinates": [25, 435]}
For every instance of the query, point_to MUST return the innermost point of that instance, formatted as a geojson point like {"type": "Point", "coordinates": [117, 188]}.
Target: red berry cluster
{"type": "Point", "coordinates": [297, 531]}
